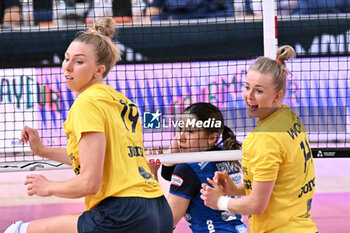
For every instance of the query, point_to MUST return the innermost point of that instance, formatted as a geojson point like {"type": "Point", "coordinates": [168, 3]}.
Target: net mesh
{"type": "Point", "coordinates": [172, 61]}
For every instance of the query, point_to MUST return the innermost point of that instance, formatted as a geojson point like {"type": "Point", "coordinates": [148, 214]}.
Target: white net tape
{"type": "Point", "coordinates": [189, 157]}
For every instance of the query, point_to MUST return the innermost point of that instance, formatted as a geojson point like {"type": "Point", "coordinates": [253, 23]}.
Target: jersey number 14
{"type": "Point", "coordinates": [307, 152]}
{"type": "Point", "coordinates": [133, 119]}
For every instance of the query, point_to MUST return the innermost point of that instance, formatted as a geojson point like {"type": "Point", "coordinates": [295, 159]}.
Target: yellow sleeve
{"type": "Point", "coordinates": [87, 117]}
{"type": "Point", "coordinates": [267, 158]}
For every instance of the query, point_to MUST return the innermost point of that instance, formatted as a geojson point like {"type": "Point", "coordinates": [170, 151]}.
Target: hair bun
{"type": "Point", "coordinates": [285, 53]}
{"type": "Point", "coordinates": [106, 26]}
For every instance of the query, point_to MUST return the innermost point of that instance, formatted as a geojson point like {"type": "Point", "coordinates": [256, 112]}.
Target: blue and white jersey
{"type": "Point", "coordinates": [186, 182]}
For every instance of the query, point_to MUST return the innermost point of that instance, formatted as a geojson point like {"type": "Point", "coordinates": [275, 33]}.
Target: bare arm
{"type": "Point", "coordinates": [92, 147]}
{"type": "Point", "coordinates": [38, 148]}
{"type": "Point", "coordinates": [255, 203]}
{"type": "Point", "coordinates": [57, 154]}
{"type": "Point", "coordinates": [178, 205]}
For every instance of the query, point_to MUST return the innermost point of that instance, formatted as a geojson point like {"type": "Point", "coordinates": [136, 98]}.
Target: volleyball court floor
{"type": "Point", "coordinates": [330, 207]}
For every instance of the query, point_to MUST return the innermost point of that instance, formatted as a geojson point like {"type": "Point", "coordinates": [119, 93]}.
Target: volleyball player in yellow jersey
{"type": "Point", "coordinates": [104, 146]}
{"type": "Point", "coordinates": [277, 164]}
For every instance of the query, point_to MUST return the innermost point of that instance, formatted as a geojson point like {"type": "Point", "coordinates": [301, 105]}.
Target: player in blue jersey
{"type": "Point", "coordinates": [184, 194]}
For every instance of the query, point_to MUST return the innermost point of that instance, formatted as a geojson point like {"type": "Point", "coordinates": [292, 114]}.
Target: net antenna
{"type": "Point", "coordinates": [269, 13]}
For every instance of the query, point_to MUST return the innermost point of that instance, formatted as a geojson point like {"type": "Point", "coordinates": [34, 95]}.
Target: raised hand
{"type": "Point", "coordinates": [226, 183]}
{"type": "Point", "coordinates": [210, 193]}
{"type": "Point", "coordinates": [32, 136]}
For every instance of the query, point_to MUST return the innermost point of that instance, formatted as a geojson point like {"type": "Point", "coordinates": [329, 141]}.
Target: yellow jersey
{"type": "Point", "coordinates": [126, 173]}
{"type": "Point", "coordinates": [278, 149]}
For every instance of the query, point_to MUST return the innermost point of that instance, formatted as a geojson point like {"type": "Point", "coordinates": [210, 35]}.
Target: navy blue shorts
{"type": "Point", "coordinates": [128, 214]}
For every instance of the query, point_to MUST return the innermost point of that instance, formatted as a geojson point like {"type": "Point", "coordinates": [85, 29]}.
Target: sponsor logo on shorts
{"type": "Point", "coordinates": [176, 180]}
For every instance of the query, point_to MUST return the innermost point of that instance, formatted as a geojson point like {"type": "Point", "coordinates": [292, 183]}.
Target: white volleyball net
{"type": "Point", "coordinates": [171, 63]}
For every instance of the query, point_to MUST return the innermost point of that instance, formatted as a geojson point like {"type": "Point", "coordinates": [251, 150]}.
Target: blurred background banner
{"type": "Point", "coordinates": [193, 41]}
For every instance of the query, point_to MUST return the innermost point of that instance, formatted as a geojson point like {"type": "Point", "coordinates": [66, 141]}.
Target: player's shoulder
{"type": "Point", "coordinates": [92, 92]}
{"type": "Point", "coordinates": [182, 167]}
{"type": "Point", "coordinates": [101, 91]}
{"type": "Point", "coordinates": [277, 122]}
